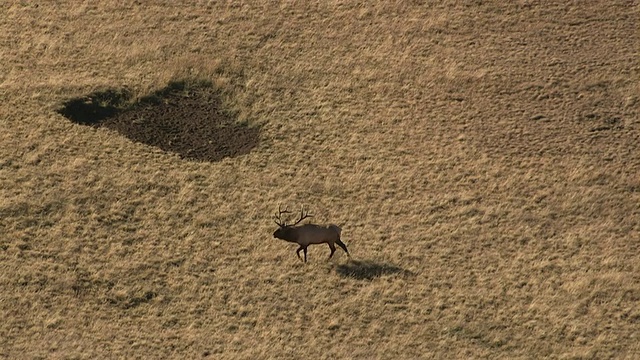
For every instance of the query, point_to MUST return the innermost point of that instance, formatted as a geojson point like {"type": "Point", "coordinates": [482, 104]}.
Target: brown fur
{"type": "Point", "coordinates": [308, 234]}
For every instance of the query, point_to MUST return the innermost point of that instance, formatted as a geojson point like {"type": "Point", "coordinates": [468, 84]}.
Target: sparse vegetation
{"type": "Point", "coordinates": [187, 118]}
{"type": "Point", "coordinates": [481, 158]}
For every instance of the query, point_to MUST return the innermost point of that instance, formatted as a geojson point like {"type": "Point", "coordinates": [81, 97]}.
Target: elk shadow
{"type": "Point", "coordinates": [369, 270]}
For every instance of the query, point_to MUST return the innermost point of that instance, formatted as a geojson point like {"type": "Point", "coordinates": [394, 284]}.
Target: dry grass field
{"type": "Point", "coordinates": [481, 157]}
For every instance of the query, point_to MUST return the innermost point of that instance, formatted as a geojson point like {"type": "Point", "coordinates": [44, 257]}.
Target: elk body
{"type": "Point", "coordinates": [308, 234]}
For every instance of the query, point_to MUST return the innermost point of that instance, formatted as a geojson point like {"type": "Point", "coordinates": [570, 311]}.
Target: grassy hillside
{"type": "Point", "coordinates": [481, 157]}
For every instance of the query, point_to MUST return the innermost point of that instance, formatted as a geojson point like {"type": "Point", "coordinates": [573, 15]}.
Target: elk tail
{"type": "Point", "coordinates": [336, 228]}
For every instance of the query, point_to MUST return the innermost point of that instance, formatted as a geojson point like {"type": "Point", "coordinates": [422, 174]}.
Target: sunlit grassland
{"type": "Point", "coordinates": [481, 157]}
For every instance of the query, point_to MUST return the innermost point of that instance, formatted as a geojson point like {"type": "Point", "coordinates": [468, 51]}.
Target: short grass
{"type": "Point", "coordinates": [481, 156]}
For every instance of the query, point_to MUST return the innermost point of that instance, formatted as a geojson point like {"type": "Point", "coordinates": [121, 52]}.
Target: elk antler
{"type": "Point", "coordinates": [302, 216]}
{"type": "Point", "coordinates": [278, 217]}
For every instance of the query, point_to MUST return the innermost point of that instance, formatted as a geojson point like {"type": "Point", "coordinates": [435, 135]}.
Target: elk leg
{"type": "Point", "coordinates": [333, 249]}
{"type": "Point", "coordinates": [298, 253]}
{"type": "Point", "coordinates": [343, 246]}
{"type": "Point", "coordinates": [305, 253]}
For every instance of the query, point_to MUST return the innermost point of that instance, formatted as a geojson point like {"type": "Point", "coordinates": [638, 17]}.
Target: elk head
{"type": "Point", "coordinates": [284, 231]}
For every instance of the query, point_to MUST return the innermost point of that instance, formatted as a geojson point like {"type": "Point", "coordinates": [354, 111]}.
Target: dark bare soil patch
{"type": "Point", "coordinates": [182, 118]}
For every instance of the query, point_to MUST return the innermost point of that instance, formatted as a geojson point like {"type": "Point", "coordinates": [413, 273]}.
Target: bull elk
{"type": "Point", "coordinates": [307, 234]}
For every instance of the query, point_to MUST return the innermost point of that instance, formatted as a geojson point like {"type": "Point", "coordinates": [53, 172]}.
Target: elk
{"type": "Point", "coordinates": [307, 234]}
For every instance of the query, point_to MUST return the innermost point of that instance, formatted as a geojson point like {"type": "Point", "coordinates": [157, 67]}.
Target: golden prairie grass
{"type": "Point", "coordinates": [481, 158]}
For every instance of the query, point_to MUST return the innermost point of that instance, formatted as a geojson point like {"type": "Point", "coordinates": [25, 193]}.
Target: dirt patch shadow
{"type": "Point", "coordinates": [183, 118]}
{"type": "Point", "coordinates": [369, 270]}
